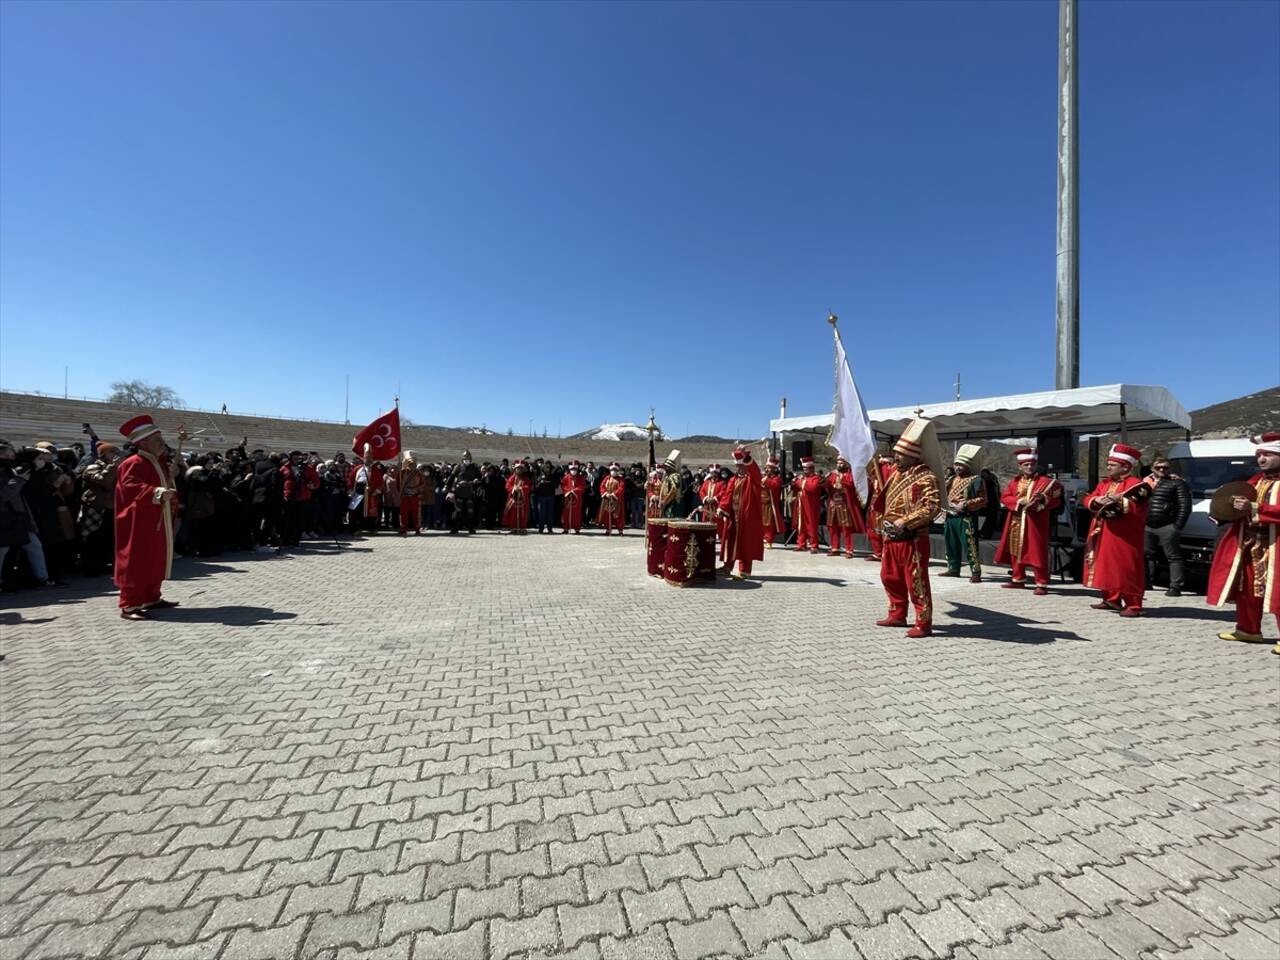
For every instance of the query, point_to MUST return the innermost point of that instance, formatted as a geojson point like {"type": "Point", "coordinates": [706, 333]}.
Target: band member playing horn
{"type": "Point", "coordinates": [1246, 565]}
{"type": "Point", "coordinates": [911, 502]}
{"type": "Point", "coordinates": [1114, 560]}
{"type": "Point", "coordinates": [739, 509]}
{"type": "Point", "coordinates": [966, 498]}
{"type": "Point", "coordinates": [1030, 501]}
{"type": "Point", "coordinates": [612, 514]}
{"type": "Point", "coordinates": [515, 517]}
{"type": "Point", "coordinates": [807, 507]}
{"type": "Point", "coordinates": [573, 488]}
{"type": "Point", "coordinates": [844, 512]}
{"type": "Point", "coordinates": [771, 516]}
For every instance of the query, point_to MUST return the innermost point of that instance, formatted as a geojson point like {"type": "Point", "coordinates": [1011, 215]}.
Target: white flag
{"type": "Point", "coordinates": [851, 429]}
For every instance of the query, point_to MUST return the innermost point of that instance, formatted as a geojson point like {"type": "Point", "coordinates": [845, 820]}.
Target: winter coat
{"type": "Point", "coordinates": [1170, 503]}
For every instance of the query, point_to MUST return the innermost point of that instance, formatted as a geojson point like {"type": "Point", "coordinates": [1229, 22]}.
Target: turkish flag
{"type": "Point", "coordinates": [382, 436]}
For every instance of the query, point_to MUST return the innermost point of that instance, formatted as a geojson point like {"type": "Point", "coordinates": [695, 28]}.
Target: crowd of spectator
{"type": "Point", "coordinates": [57, 503]}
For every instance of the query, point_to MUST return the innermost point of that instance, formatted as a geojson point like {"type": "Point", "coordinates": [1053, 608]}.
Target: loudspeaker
{"type": "Point", "coordinates": [1057, 448]}
{"type": "Point", "coordinates": [800, 448]}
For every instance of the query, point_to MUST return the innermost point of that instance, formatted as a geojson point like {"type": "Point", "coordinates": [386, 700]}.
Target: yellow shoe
{"type": "Point", "coordinates": [1242, 636]}
{"type": "Point", "coordinates": [1276, 649]}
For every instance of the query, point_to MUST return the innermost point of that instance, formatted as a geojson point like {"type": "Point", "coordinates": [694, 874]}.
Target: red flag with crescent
{"type": "Point", "coordinates": [382, 436]}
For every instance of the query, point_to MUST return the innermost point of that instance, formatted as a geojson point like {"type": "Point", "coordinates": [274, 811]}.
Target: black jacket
{"type": "Point", "coordinates": [1170, 503]}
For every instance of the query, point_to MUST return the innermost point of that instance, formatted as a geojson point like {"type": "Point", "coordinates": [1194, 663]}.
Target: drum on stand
{"type": "Point", "coordinates": [655, 543]}
{"type": "Point", "coordinates": [690, 556]}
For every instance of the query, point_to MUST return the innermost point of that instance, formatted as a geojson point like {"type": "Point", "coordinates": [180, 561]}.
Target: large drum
{"type": "Point", "coordinates": [655, 543]}
{"type": "Point", "coordinates": [690, 557]}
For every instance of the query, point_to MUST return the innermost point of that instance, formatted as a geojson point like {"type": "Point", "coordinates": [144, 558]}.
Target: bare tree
{"type": "Point", "coordinates": [139, 393]}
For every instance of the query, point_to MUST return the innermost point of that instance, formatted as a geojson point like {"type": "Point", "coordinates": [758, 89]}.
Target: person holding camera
{"type": "Point", "coordinates": [17, 523]}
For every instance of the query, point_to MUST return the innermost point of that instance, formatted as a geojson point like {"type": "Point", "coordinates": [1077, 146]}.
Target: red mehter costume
{"type": "Point", "coordinates": [740, 500]}
{"type": "Point", "coordinates": [653, 495]}
{"type": "Point", "coordinates": [709, 497]}
{"type": "Point", "coordinates": [1113, 553]}
{"type": "Point", "coordinates": [573, 487]}
{"type": "Point", "coordinates": [144, 522]}
{"type": "Point", "coordinates": [412, 484]}
{"type": "Point", "coordinates": [771, 517]}
{"type": "Point", "coordinates": [878, 471]}
{"type": "Point", "coordinates": [1031, 502]}
{"type": "Point", "coordinates": [844, 512]}
{"type": "Point", "coordinates": [1246, 564]}
{"type": "Point", "coordinates": [613, 497]}
{"type": "Point", "coordinates": [515, 516]}
{"type": "Point", "coordinates": [806, 509]}
{"type": "Point", "coordinates": [912, 498]}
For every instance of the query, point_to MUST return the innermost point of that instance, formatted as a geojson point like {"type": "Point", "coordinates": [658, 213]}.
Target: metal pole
{"type": "Point", "coordinates": [346, 410]}
{"type": "Point", "coordinates": [957, 385]}
{"type": "Point", "coordinates": [1067, 374]}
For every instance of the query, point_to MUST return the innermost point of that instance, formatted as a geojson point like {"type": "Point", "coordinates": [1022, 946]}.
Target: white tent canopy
{"type": "Point", "coordinates": [1109, 409]}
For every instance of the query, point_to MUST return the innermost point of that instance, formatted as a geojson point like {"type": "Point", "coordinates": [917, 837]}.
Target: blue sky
{"type": "Point", "coordinates": [566, 214]}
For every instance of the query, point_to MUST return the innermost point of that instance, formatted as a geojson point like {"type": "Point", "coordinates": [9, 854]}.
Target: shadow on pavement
{"type": "Point", "coordinates": [1225, 615]}
{"type": "Point", "coordinates": [231, 616]}
{"type": "Point", "coordinates": [12, 618]}
{"type": "Point", "coordinates": [1002, 627]}
{"type": "Point", "coordinates": [830, 581]}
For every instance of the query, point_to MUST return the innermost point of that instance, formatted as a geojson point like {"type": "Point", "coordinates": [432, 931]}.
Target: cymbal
{"type": "Point", "coordinates": [1221, 508]}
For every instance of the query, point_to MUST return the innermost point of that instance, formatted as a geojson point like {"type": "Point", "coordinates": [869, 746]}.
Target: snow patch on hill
{"type": "Point", "coordinates": [617, 431]}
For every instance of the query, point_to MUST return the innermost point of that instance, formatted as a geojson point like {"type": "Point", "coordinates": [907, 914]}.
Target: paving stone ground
{"type": "Point", "coordinates": [502, 746]}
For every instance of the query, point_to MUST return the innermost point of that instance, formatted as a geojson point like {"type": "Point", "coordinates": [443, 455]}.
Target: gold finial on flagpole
{"type": "Point", "coordinates": [831, 317]}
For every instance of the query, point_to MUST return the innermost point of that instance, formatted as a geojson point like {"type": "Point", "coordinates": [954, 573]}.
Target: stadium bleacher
{"type": "Point", "coordinates": [26, 418]}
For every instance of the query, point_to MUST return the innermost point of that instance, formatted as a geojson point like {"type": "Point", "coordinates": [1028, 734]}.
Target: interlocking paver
{"type": "Point", "coordinates": [494, 766]}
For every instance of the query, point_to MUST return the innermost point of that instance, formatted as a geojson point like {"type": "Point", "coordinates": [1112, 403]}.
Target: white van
{"type": "Point", "coordinates": [1206, 465]}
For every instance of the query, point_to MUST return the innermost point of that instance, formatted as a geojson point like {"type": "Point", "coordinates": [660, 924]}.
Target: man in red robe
{"type": "Point", "coordinates": [1246, 564]}
{"type": "Point", "coordinates": [807, 506]}
{"type": "Point", "coordinates": [145, 505]}
{"type": "Point", "coordinates": [653, 494]}
{"type": "Point", "coordinates": [709, 498]}
{"type": "Point", "coordinates": [1114, 559]}
{"type": "Point", "coordinates": [771, 503]}
{"type": "Point", "coordinates": [844, 512]}
{"type": "Point", "coordinates": [878, 472]}
{"type": "Point", "coordinates": [515, 515]}
{"type": "Point", "coordinates": [411, 483]}
{"type": "Point", "coordinates": [612, 514]}
{"type": "Point", "coordinates": [740, 509]}
{"type": "Point", "coordinates": [1031, 501]}
{"type": "Point", "coordinates": [573, 489]}
{"type": "Point", "coordinates": [912, 498]}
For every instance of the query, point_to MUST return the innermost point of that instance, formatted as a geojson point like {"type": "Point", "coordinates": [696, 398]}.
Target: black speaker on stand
{"type": "Point", "coordinates": [1057, 450]}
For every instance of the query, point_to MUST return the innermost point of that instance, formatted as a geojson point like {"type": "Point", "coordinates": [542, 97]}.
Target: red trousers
{"type": "Point", "coordinates": [838, 535]}
{"type": "Point", "coordinates": [1118, 598]}
{"type": "Point", "coordinates": [904, 571]}
{"type": "Point", "coordinates": [769, 533]}
{"type": "Point", "coordinates": [1248, 607]}
{"type": "Point", "coordinates": [729, 550]}
{"type": "Point", "coordinates": [874, 540]}
{"type": "Point", "coordinates": [136, 597]}
{"type": "Point", "coordinates": [1019, 573]}
{"type": "Point", "coordinates": [410, 513]}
